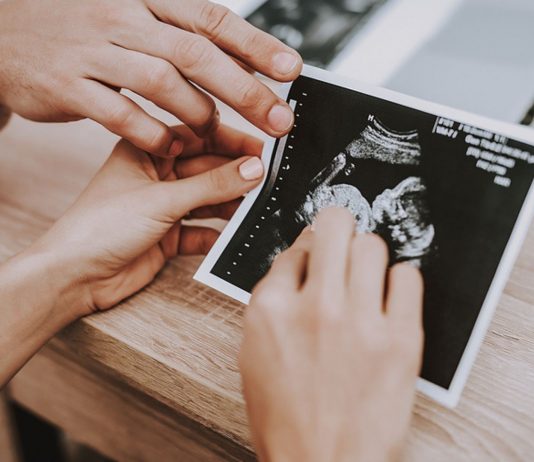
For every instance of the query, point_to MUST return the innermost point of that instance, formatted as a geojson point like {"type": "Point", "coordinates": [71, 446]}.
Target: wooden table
{"type": "Point", "coordinates": [156, 379]}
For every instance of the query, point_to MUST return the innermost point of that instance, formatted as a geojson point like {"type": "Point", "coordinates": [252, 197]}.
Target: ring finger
{"type": "Point", "coordinates": [158, 81]}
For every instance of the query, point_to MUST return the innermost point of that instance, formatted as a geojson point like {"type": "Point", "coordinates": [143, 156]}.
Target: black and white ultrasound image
{"type": "Point", "coordinates": [318, 29]}
{"type": "Point", "coordinates": [401, 180]}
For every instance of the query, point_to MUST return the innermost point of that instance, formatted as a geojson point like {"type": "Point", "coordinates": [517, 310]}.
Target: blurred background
{"type": "Point", "coordinates": [474, 55]}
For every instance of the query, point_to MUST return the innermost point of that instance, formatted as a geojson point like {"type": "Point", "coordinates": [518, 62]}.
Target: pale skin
{"type": "Point", "coordinates": [117, 236]}
{"type": "Point", "coordinates": [332, 349]}
{"type": "Point", "coordinates": [64, 60]}
{"type": "Point", "coordinates": [328, 361]}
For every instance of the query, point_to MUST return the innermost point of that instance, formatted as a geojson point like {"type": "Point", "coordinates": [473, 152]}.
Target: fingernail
{"type": "Point", "coordinates": [252, 169]}
{"type": "Point", "coordinates": [280, 118]}
{"type": "Point", "coordinates": [177, 146]}
{"type": "Point", "coordinates": [284, 63]}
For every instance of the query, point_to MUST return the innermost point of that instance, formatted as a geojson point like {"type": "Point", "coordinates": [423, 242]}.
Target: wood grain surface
{"type": "Point", "coordinates": [105, 414]}
{"type": "Point", "coordinates": [177, 341]}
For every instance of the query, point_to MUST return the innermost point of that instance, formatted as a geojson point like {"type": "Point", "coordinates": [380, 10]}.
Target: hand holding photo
{"type": "Point", "coordinates": [450, 192]}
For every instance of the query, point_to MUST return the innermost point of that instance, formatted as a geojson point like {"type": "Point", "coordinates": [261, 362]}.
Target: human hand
{"type": "Point", "coordinates": [127, 223]}
{"type": "Point", "coordinates": [332, 348]}
{"type": "Point", "coordinates": [64, 60]}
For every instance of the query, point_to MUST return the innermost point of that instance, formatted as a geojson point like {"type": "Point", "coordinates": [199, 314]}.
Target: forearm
{"type": "Point", "coordinates": [37, 299]}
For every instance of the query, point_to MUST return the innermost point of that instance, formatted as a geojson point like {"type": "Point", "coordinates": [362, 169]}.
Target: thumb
{"type": "Point", "coordinates": [216, 186]}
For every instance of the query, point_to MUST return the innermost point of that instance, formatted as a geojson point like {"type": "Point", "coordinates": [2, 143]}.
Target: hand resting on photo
{"type": "Point", "coordinates": [332, 348]}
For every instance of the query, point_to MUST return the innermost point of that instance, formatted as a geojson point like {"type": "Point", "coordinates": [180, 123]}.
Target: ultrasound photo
{"type": "Point", "coordinates": [395, 208]}
{"type": "Point", "coordinates": [445, 195]}
{"type": "Point", "coordinates": [318, 29]}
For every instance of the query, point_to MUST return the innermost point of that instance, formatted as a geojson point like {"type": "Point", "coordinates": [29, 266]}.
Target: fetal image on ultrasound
{"type": "Point", "coordinates": [398, 213]}
{"type": "Point", "coordinates": [318, 29]}
{"type": "Point", "coordinates": [402, 179]}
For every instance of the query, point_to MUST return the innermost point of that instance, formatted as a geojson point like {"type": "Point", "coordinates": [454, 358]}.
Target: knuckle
{"type": "Point", "coordinates": [214, 19]}
{"type": "Point", "coordinates": [118, 117]}
{"type": "Point", "coordinates": [251, 94]}
{"type": "Point", "coordinates": [193, 53]}
{"type": "Point", "coordinates": [373, 244]}
{"type": "Point", "coordinates": [218, 180]}
{"type": "Point", "coordinates": [158, 140]}
{"type": "Point", "coordinates": [160, 79]}
{"type": "Point", "coordinates": [71, 96]}
{"type": "Point", "coordinates": [253, 44]}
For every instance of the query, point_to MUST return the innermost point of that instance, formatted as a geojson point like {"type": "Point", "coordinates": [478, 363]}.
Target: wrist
{"type": "Point", "coordinates": [37, 299]}
{"type": "Point", "coordinates": [54, 283]}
